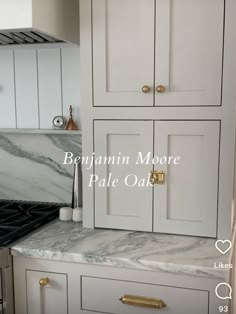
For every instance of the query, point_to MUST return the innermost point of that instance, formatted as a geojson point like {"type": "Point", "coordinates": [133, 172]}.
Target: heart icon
{"type": "Point", "coordinates": [223, 246]}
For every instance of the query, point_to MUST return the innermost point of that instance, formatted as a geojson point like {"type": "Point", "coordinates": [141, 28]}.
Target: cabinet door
{"type": "Point", "coordinates": [187, 202]}
{"type": "Point", "coordinates": [123, 52]}
{"type": "Point", "coordinates": [129, 204]}
{"type": "Point", "coordinates": [48, 299]}
{"type": "Point", "coordinates": [189, 44]}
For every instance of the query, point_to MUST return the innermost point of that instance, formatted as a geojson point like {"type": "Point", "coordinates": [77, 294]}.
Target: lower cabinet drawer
{"type": "Point", "coordinates": [125, 297]}
{"type": "Point", "coordinates": [46, 292]}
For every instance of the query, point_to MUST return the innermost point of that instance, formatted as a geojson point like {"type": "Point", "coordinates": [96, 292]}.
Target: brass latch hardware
{"type": "Point", "coordinates": [142, 301]}
{"type": "Point", "coordinates": [157, 177]}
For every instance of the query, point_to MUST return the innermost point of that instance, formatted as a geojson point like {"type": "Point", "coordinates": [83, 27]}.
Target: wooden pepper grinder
{"type": "Point", "coordinates": [71, 124]}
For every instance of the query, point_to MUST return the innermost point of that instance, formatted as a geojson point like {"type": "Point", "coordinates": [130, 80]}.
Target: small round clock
{"type": "Point", "coordinates": [59, 122]}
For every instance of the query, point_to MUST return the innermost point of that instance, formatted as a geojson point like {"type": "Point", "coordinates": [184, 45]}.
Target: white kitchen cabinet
{"type": "Point", "coordinates": [186, 50]}
{"type": "Point", "coordinates": [187, 201]}
{"type": "Point", "coordinates": [120, 205]}
{"type": "Point", "coordinates": [98, 289]}
{"type": "Point", "coordinates": [170, 299]}
{"type": "Point", "coordinates": [46, 292]}
{"type": "Point", "coordinates": [157, 43]}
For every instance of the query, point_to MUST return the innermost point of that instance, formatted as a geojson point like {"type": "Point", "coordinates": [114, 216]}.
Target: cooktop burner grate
{"type": "Point", "coordinates": [18, 218]}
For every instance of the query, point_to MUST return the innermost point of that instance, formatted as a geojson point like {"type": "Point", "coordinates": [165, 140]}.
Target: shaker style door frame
{"type": "Point", "coordinates": [189, 51]}
{"type": "Point", "coordinates": [187, 201]}
{"type": "Point", "coordinates": [125, 205]}
{"type": "Point", "coordinates": [118, 76]}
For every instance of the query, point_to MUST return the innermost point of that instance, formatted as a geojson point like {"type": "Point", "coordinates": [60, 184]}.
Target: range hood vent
{"type": "Point", "coordinates": [24, 22]}
{"type": "Point", "coordinates": [19, 38]}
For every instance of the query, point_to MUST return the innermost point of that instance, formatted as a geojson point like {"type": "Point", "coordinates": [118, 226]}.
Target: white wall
{"type": "Point", "coordinates": [38, 84]}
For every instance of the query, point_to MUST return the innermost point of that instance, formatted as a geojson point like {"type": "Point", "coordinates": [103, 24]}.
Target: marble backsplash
{"type": "Point", "coordinates": [31, 166]}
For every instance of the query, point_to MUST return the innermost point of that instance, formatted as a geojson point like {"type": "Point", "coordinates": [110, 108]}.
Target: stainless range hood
{"type": "Point", "coordinates": [25, 22]}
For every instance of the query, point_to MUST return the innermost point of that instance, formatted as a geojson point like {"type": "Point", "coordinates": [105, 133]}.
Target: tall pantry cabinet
{"type": "Point", "coordinates": [158, 79]}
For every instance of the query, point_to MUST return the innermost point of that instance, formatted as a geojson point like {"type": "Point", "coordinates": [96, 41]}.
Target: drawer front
{"type": "Point", "coordinates": [46, 292]}
{"type": "Point", "coordinates": [103, 295]}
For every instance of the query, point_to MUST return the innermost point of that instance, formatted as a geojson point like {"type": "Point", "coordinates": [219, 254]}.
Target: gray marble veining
{"type": "Point", "coordinates": [31, 166]}
{"type": "Point", "coordinates": [71, 242]}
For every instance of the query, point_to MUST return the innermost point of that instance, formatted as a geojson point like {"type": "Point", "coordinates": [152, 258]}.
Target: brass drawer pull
{"type": "Point", "coordinates": [43, 281]}
{"type": "Point", "coordinates": [142, 301]}
{"type": "Point", "coordinates": [157, 177]}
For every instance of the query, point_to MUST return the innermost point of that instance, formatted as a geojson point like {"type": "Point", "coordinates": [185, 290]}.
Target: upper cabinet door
{"type": "Point", "coordinates": [189, 44]}
{"type": "Point", "coordinates": [187, 202]}
{"type": "Point", "coordinates": [123, 52]}
{"type": "Point", "coordinates": [180, 41]}
{"type": "Point", "coordinates": [123, 195]}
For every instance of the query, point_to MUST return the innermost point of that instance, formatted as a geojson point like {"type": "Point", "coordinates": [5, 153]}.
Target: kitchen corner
{"type": "Point", "coordinates": [117, 157]}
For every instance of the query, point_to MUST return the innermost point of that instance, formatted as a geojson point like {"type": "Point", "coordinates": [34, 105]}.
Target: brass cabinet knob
{"type": "Point", "coordinates": [146, 89]}
{"type": "Point", "coordinates": [160, 89]}
{"type": "Point", "coordinates": [43, 281]}
{"type": "Point", "coordinates": [142, 301]}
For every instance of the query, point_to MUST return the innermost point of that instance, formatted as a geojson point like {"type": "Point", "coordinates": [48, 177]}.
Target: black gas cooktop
{"type": "Point", "coordinates": [18, 218]}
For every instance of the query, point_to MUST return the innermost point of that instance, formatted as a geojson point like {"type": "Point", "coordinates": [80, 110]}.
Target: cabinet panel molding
{"type": "Point", "coordinates": [123, 207]}
{"type": "Point", "coordinates": [187, 202]}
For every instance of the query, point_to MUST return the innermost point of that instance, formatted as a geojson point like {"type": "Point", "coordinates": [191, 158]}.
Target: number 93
{"type": "Point", "coordinates": [223, 309]}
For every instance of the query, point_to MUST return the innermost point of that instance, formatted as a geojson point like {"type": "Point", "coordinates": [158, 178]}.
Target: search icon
{"type": "Point", "coordinates": [223, 293]}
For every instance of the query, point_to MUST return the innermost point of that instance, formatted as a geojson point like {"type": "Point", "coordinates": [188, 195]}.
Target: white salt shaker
{"type": "Point", "coordinates": [65, 214]}
{"type": "Point", "coordinates": [77, 214]}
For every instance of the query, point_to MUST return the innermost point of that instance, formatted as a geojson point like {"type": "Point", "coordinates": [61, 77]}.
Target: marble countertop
{"type": "Point", "coordinates": [70, 242]}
